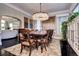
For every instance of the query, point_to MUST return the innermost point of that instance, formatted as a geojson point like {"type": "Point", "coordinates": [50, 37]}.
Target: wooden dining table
{"type": "Point", "coordinates": [38, 34]}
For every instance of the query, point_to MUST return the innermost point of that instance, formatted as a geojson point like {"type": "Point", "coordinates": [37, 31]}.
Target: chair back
{"type": "Point", "coordinates": [24, 35]}
{"type": "Point", "coordinates": [25, 32]}
{"type": "Point", "coordinates": [21, 36]}
{"type": "Point", "coordinates": [22, 31]}
{"type": "Point", "coordinates": [49, 34]}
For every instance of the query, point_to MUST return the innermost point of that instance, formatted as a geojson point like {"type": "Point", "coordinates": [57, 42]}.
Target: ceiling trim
{"type": "Point", "coordinates": [58, 12]}
{"type": "Point", "coordinates": [72, 7]}
{"type": "Point", "coordinates": [18, 9]}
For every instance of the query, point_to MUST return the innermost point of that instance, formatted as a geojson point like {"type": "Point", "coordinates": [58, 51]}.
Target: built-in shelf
{"type": "Point", "coordinates": [73, 34]}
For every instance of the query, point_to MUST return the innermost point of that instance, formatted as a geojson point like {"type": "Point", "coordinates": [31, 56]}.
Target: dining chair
{"type": "Point", "coordinates": [26, 42]}
{"type": "Point", "coordinates": [46, 40]}
{"type": "Point", "coordinates": [43, 42]}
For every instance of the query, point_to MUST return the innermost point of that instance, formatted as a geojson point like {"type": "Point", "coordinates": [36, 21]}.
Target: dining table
{"type": "Point", "coordinates": [38, 34]}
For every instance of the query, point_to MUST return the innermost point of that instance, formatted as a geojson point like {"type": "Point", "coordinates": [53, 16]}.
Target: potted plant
{"type": "Point", "coordinates": [63, 41]}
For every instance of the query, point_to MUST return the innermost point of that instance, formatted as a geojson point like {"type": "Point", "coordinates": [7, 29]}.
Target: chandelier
{"type": "Point", "coordinates": [40, 15]}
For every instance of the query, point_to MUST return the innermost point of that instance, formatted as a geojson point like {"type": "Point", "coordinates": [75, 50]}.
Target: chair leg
{"type": "Point", "coordinates": [21, 48]}
{"type": "Point", "coordinates": [45, 47]}
{"type": "Point", "coordinates": [50, 39]}
{"type": "Point", "coordinates": [41, 48]}
{"type": "Point", "coordinates": [30, 51]}
{"type": "Point", "coordinates": [37, 45]}
{"type": "Point", "coordinates": [47, 44]}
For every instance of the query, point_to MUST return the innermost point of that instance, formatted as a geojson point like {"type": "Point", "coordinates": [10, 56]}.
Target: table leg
{"type": "Point", "coordinates": [36, 44]}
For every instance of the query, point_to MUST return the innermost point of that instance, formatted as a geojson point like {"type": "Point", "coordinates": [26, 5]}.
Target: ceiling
{"type": "Point", "coordinates": [46, 7]}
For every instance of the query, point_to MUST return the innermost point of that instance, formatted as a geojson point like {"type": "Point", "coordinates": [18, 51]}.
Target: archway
{"type": "Point", "coordinates": [9, 23]}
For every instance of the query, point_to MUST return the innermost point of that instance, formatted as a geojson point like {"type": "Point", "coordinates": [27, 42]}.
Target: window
{"type": "Point", "coordinates": [60, 20]}
{"type": "Point", "coordinates": [2, 24]}
{"type": "Point", "coordinates": [76, 9]}
{"type": "Point", "coordinates": [10, 23]}
{"type": "Point", "coordinates": [11, 26]}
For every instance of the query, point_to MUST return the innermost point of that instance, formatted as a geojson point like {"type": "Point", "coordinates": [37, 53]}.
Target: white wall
{"type": "Point", "coordinates": [50, 25]}
{"type": "Point", "coordinates": [5, 10]}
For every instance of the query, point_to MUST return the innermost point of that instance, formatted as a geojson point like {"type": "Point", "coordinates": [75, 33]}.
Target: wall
{"type": "Point", "coordinates": [5, 10]}
{"type": "Point", "coordinates": [49, 24]}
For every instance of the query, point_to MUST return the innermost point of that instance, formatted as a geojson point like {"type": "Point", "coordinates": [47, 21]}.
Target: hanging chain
{"type": "Point", "coordinates": [40, 7]}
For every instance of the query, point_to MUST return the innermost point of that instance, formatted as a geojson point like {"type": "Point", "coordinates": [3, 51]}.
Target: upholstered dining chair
{"type": "Point", "coordinates": [46, 40]}
{"type": "Point", "coordinates": [26, 42]}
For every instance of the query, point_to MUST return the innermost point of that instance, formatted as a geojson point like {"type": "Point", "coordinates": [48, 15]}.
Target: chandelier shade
{"type": "Point", "coordinates": [40, 15]}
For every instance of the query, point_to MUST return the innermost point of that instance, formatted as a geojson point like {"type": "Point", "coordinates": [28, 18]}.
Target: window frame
{"type": "Point", "coordinates": [75, 7]}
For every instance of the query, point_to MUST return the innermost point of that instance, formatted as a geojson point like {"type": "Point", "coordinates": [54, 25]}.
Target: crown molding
{"type": "Point", "coordinates": [72, 6]}
{"type": "Point", "coordinates": [58, 12]}
{"type": "Point", "coordinates": [18, 9]}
